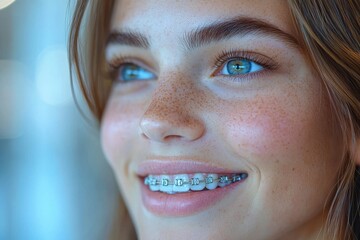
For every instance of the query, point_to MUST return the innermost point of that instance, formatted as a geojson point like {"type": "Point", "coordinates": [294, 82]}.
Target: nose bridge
{"type": "Point", "coordinates": [173, 111]}
{"type": "Point", "coordinates": [172, 96]}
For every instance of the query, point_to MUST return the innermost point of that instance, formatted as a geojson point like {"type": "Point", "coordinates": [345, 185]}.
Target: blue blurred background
{"type": "Point", "coordinates": [54, 181]}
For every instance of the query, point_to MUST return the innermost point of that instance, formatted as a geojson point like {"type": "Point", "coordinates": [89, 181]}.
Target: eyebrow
{"type": "Point", "coordinates": [233, 27]}
{"type": "Point", "coordinates": [207, 34]}
{"type": "Point", "coordinates": [128, 38]}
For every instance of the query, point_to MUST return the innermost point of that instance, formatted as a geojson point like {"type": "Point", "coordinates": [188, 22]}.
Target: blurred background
{"type": "Point", "coordinates": [54, 180]}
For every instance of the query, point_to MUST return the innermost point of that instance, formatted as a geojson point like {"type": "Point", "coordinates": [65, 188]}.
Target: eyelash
{"type": "Point", "coordinates": [228, 55]}
{"type": "Point", "coordinates": [116, 62]}
{"type": "Point", "coordinates": [224, 57]}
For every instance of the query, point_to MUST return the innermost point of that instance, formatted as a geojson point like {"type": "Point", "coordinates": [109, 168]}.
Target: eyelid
{"type": "Point", "coordinates": [118, 60]}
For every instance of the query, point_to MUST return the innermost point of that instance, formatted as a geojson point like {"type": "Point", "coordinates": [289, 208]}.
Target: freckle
{"type": "Point", "coordinates": [176, 99]}
{"type": "Point", "coordinates": [293, 169]}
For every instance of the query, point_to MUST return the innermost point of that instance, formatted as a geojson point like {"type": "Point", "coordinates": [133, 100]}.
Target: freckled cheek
{"type": "Point", "coordinates": [262, 133]}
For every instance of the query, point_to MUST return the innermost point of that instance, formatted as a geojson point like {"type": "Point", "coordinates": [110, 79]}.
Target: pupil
{"type": "Point", "coordinates": [239, 66]}
{"type": "Point", "coordinates": [130, 72]}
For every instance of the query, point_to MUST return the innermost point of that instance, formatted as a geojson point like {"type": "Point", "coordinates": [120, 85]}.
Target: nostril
{"type": "Point", "coordinates": [172, 137]}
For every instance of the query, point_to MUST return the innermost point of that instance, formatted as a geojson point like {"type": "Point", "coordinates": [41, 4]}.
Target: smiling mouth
{"type": "Point", "coordinates": [175, 187]}
{"type": "Point", "coordinates": [184, 183]}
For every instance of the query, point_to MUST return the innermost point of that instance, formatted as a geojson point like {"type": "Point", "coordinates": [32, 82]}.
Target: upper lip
{"type": "Point", "coordinates": [178, 166]}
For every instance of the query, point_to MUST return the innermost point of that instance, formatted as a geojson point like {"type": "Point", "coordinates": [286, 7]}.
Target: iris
{"type": "Point", "coordinates": [130, 72]}
{"type": "Point", "coordinates": [238, 66]}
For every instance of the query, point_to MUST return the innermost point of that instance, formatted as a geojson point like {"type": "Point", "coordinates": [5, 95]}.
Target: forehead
{"type": "Point", "coordinates": [173, 17]}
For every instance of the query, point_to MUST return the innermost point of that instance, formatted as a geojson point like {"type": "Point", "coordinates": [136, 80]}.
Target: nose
{"type": "Point", "coordinates": [172, 114]}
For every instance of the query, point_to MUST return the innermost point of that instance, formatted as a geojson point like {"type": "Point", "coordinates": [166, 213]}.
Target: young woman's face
{"type": "Point", "coordinates": [206, 89]}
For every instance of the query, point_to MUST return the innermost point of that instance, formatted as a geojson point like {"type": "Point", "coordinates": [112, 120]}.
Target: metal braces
{"type": "Point", "coordinates": [152, 181]}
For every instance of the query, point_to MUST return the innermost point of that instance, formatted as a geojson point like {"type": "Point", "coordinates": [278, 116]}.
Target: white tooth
{"type": "Point", "coordinates": [166, 184]}
{"type": "Point", "coordinates": [197, 182]}
{"type": "Point", "coordinates": [223, 181]}
{"type": "Point", "coordinates": [181, 183]}
{"type": "Point", "coordinates": [211, 181]}
{"type": "Point", "coordinates": [153, 183]}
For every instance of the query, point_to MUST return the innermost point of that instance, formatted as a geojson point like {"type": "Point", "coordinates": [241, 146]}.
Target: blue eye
{"type": "Point", "coordinates": [240, 66]}
{"type": "Point", "coordinates": [130, 72]}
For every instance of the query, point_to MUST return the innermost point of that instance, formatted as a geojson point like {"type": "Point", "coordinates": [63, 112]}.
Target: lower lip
{"type": "Point", "coordinates": [183, 204]}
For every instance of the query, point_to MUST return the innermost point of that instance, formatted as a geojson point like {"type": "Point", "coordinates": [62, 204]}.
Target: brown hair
{"type": "Point", "coordinates": [86, 56]}
{"type": "Point", "coordinates": [330, 31]}
{"type": "Point", "coordinates": [86, 48]}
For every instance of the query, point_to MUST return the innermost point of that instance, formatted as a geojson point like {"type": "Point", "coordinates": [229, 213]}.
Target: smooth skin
{"type": "Point", "coordinates": [276, 124]}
